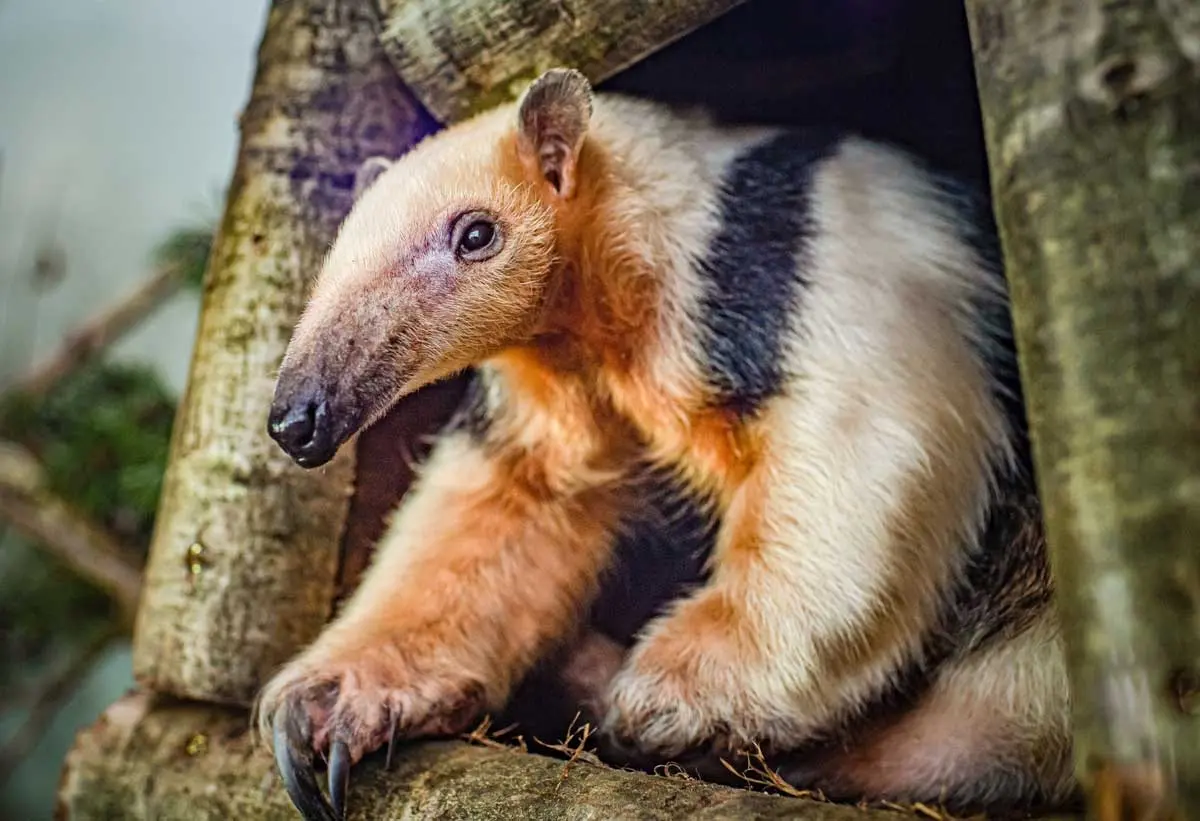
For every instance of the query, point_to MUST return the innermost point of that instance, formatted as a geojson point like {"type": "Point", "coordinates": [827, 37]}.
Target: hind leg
{"type": "Point", "coordinates": [994, 726]}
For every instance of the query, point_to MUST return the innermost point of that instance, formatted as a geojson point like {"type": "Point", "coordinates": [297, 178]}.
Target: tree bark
{"type": "Point", "coordinates": [461, 57]}
{"type": "Point", "coordinates": [243, 566]}
{"type": "Point", "coordinates": [1092, 118]}
{"type": "Point", "coordinates": [199, 763]}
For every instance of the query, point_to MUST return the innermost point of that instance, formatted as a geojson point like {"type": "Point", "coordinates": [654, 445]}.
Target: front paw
{"type": "Point", "coordinates": [671, 700]}
{"type": "Point", "coordinates": [347, 705]}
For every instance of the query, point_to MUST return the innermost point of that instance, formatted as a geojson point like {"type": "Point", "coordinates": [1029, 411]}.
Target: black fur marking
{"type": "Point", "coordinates": [473, 416]}
{"type": "Point", "coordinates": [662, 543]}
{"type": "Point", "coordinates": [660, 554]}
{"type": "Point", "coordinates": [1007, 584]}
{"type": "Point", "coordinates": [754, 269]}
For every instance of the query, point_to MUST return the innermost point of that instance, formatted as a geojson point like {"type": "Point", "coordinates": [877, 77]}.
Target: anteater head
{"type": "Point", "coordinates": [446, 258]}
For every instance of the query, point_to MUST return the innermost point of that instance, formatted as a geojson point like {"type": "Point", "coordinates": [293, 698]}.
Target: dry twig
{"type": "Point", "coordinates": [64, 532]}
{"type": "Point", "coordinates": [574, 747]}
{"type": "Point", "coordinates": [758, 773]}
{"type": "Point", "coordinates": [485, 736]}
{"type": "Point", "coordinates": [673, 770]}
{"type": "Point", "coordinates": [99, 333]}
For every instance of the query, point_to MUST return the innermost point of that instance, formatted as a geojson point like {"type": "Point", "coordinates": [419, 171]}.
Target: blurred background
{"type": "Point", "coordinates": [118, 132]}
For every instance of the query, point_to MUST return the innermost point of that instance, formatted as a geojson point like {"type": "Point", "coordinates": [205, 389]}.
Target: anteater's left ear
{"type": "Point", "coordinates": [552, 121]}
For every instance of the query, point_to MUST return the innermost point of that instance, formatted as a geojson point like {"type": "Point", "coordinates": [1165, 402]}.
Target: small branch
{"type": "Point", "coordinates": [99, 333]}
{"type": "Point", "coordinates": [68, 535]}
{"type": "Point", "coordinates": [53, 693]}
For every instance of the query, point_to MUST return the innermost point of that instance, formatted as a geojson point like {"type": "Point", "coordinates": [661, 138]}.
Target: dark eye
{"type": "Point", "coordinates": [476, 236]}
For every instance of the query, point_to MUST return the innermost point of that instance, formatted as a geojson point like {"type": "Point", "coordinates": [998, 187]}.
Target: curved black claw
{"type": "Point", "coordinates": [294, 758]}
{"type": "Point", "coordinates": [339, 777]}
{"type": "Point", "coordinates": [387, 764]}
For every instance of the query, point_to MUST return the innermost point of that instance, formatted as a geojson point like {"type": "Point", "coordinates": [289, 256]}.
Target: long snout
{"type": "Point", "coordinates": [327, 386]}
{"type": "Point", "coordinates": [361, 344]}
{"type": "Point", "coordinates": [337, 376]}
{"type": "Point", "coordinates": [303, 420]}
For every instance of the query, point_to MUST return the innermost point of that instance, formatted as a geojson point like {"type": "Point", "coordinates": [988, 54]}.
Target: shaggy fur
{"type": "Point", "coordinates": [801, 335]}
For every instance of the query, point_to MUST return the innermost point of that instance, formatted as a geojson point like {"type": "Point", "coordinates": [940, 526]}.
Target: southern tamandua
{"type": "Point", "coordinates": [805, 332]}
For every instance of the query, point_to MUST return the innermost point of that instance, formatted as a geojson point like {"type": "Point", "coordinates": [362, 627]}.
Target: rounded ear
{"type": "Point", "coordinates": [368, 172]}
{"type": "Point", "coordinates": [552, 120]}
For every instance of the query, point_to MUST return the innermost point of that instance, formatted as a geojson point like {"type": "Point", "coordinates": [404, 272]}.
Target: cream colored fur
{"type": "Point", "coordinates": [877, 473]}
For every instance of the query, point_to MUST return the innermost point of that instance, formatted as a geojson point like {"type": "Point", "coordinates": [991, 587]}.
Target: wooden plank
{"type": "Point", "coordinates": [461, 57]}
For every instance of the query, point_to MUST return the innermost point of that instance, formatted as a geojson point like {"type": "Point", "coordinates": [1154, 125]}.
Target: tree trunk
{"type": "Point", "coordinates": [243, 567]}
{"type": "Point", "coordinates": [199, 763]}
{"type": "Point", "coordinates": [1092, 116]}
{"type": "Point", "coordinates": [461, 57]}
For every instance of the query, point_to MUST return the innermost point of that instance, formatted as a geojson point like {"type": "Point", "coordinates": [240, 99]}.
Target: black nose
{"type": "Point", "coordinates": [303, 428]}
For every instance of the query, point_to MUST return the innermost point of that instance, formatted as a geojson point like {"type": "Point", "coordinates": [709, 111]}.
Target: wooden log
{"type": "Point", "coordinates": [1092, 119]}
{"type": "Point", "coordinates": [464, 56]}
{"type": "Point", "coordinates": [243, 567]}
{"type": "Point", "coordinates": [199, 763]}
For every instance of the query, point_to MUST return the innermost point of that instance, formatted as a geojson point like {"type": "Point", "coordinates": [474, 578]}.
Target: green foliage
{"type": "Point", "coordinates": [102, 436]}
{"type": "Point", "coordinates": [42, 606]}
{"type": "Point", "coordinates": [188, 248]}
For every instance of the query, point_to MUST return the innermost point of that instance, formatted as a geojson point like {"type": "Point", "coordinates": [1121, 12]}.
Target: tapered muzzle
{"type": "Point", "coordinates": [302, 423]}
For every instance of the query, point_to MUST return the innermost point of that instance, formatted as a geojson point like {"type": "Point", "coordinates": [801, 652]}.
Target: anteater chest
{"type": "Point", "coordinates": [713, 450]}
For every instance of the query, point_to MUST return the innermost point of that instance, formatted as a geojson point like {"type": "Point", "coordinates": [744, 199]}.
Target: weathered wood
{"type": "Point", "coordinates": [1092, 117]}
{"type": "Point", "coordinates": [196, 763]}
{"type": "Point", "coordinates": [464, 56]}
{"type": "Point", "coordinates": [243, 567]}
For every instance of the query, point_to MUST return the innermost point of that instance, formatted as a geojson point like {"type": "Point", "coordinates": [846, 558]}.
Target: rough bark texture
{"type": "Point", "coordinates": [196, 763]}
{"type": "Point", "coordinates": [243, 566]}
{"type": "Point", "coordinates": [1092, 116]}
{"type": "Point", "coordinates": [463, 56]}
